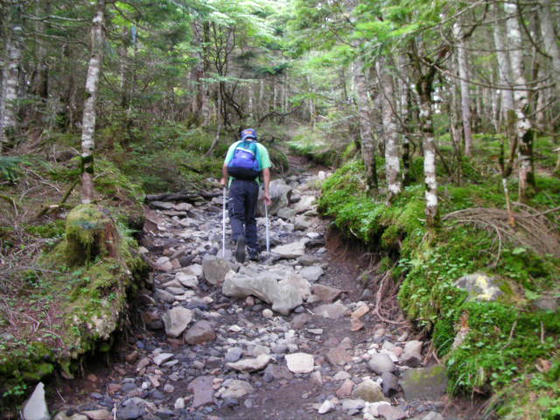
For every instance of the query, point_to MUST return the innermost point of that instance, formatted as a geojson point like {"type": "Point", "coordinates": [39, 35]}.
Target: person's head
{"type": "Point", "coordinates": [249, 134]}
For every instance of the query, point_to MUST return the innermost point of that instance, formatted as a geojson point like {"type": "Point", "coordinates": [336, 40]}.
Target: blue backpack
{"type": "Point", "coordinates": [244, 163]}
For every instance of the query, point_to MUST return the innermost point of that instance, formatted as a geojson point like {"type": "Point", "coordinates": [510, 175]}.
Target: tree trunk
{"type": "Point", "coordinates": [549, 39]}
{"type": "Point", "coordinates": [41, 80]}
{"type": "Point", "coordinates": [504, 70]}
{"type": "Point", "coordinates": [88, 120]}
{"type": "Point", "coordinates": [10, 76]}
{"type": "Point", "coordinates": [524, 131]}
{"type": "Point", "coordinates": [392, 162]}
{"type": "Point", "coordinates": [366, 129]}
{"type": "Point", "coordinates": [464, 85]}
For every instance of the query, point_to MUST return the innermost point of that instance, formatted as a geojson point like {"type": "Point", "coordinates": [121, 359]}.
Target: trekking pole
{"type": "Point", "coordinates": [267, 232]}
{"type": "Point", "coordinates": [224, 225]}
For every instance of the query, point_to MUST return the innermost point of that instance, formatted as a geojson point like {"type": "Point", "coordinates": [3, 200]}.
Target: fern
{"type": "Point", "coordinates": [9, 168]}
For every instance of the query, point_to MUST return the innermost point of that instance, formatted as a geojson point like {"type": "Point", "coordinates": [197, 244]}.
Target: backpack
{"type": "Point", "coordinates": [244, 163]}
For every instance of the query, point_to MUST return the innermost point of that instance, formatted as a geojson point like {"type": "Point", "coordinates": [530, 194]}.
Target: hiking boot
{"type": "Point", "coordinates": [240, 250]}
{"type": "Point", "coordinates": [253, 254]}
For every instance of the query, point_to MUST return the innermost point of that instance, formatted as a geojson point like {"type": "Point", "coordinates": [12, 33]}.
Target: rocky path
{"type": "Point", "coordinates": [292, 337]}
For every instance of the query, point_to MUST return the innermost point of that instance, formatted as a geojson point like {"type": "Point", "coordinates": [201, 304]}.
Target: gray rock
{"type": "Point", "coordinates": [164, 264]}
{"type": "Point", "coordinates": [202, 388]}
{"type": "Point", "coordinates": [187, 280]}
{"type": "Point", "coordinates": [164, 296]}
{"type": "Point", "coordinates": [215, 269]}
{"type": "Point", "coordinates": [302, 222]}
{"type": "Point", "coordinates": [176, 320]}
{"type": "Point", "coordinates": [277, 372]}
{"type": "Point", "coordinates": [291, 250]}
{"type": "Point", "coordinates": [300, 362]}
{"type": "Point", "coordinates": [35, 408]}
{"type": "Point", "coordinates": [280, 193]}
{"type": "Point", "coordinates": [251, 364]}
{"type": "Point", "coordinates": [299, 321]}
{"type": "Point", "coordinates": [326, 407]}
{"type": "Point", "coordinates": [412, 353]}
{"type": "Point", "coordinates": [161, 358]}
{"type": "Point", "coordinates": [233, 388]}
{"type": "Point", "coordinates": [304, 204]}
{"type": "Point", "coordinates": [353, 407]}
{"type": "Point", "coordinates": [63, 416]}
{"type": "Point", "coordinates": [194, 270]}
{"type": "Point", "coordinates": [309, 260]}
{"type": "Point", "coordinates": [201, 332]}
{"type": "Point", "coordinates": [432, 415]}
{"type": "Point", "coordinates": [368, 391]}
{"type": "Point", "coordinates": [340, 354]}
{"type": "Point", "coordinates": [390, 384]}
{"type": "Point", "coordinates": [324, 293]}
{"type": "Point", "coordinates": [480, 287]}
{"type": "Point", "coordinates": [284, 295]}
{"type": "Point", "coordinates": [331, 310]}
{"type": "Point", "coordinates": [547, 303]}
{"type": "Point", "coordinates": [132, 408]}
{"type": "Point", "coordinates": [233, 354]}
{"type": "Point", "coordinates": [286, 213]}
{"type": "Point", "coordinates": [311, 273]}
{"type": "Point", "coordinates": [380, 363]}
{"type": "Point", "coordinates": [424, 383]}
{"type": "Point", "coordinates": [179, 403]}
{"type": "Point", "coordinates": [388, 412]}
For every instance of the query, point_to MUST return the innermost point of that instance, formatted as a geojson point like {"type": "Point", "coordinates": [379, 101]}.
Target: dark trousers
{"type": "Point", "coordinates": [243, 196]}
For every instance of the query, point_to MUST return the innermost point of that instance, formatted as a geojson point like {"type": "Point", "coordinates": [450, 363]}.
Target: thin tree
{"type": "Point", "coordinates": [89, 117]}
{"type": "Point", "coordinates": [10, 74]}
{"type": "Point", "coordinates": [523, 126]}
{"type": "Point", "coordinates": [462, 66]}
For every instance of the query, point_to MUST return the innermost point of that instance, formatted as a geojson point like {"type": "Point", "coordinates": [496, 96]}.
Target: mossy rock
{"type": "Point", "coordinates": [90, 233]}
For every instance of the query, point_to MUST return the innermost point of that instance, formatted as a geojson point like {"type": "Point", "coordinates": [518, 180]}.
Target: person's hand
{"type": "Point", "coordinates": [223, 182]}
{"type": "Point", "coordinates": [267, 199]}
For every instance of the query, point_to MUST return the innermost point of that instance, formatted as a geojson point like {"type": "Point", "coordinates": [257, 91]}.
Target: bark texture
{"type": "Point", "coordinates": [10, 76]}
{"type": "Point", "coordinates": [462, 66]}
{"type": "Point", "coordinates": [89, 117]}
{"type": "Point", "coordinates": [523, 127]}
{"type": "Point", "coordinates": [550, 40]}
{"type": "Point", "coordinates": [366, 129]}
{"type": "Point", "coordinates": [392, 162]}
{"type": "Point", "coordinates": [504, 71]}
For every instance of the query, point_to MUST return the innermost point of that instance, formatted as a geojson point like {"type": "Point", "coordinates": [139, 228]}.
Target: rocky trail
{"type": "Point", "coordinates": [295, 336]}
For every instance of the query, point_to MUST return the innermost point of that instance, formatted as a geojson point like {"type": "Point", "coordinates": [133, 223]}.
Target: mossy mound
{"type": "Point", "coordinates": [487, 345]}
{"type": "Point", "coordinates": [82, 290]}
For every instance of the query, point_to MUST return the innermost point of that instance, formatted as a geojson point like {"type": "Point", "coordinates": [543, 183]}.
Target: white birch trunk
{"type": "Point", "coordinates": [392, 162]}
{"type": "Point", "coordinates": [88, 120]}
{"type": "Point", "coordinates": [10, 79]}
{"type": "Point", "coordinates": [504, 70]}
{"type": "Point", "coordinates": [366, 129]}
{"type": "Point", "coordinates": [429, 147]}
{"type": "Point", "coordinates": [464, 86]}
{"type": "Point", "coordinates": [521, 100]}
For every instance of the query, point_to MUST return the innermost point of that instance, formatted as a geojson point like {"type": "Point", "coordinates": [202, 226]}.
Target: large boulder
{"type": "Point", "coordinates": [480, 287]}
{"type": "Point", "coordinates": [214, 269]}
{"type": "Point", "coordinates": [279, 194]}
{"type": "Point", "coordinates": [283, 291]}
{"type": "Point", "coordinates": [424, 383]}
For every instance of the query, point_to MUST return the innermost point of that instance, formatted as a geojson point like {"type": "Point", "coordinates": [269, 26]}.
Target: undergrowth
{"type": "Point", "coordinates": [510, 346]}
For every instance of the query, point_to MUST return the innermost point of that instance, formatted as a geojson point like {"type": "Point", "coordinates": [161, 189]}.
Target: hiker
{"type": "Point", "coordinates": [246, 167]}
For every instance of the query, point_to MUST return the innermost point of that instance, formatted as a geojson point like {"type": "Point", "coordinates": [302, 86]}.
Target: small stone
{"type": "Point", "coordinates": [162, 357]}
{"type": "Point", "coordinates": [233, 388]}
{"type": "Point", "coordinates": [168, 388]}
{"type": "Point", "coordinates": [179, 403]}
{"type": "Point", "coordinates": [325, 293]}
{"type": "Point", "coordinates": [317, 378]}
{"type": "Point", "coordinates": [390, 384]}
{"type": "Point", "coordinates": [203, 391]}
{"type": "Point", "coordinates": [331, 311]}
{"type": "Point", "coordinates": [391, 413]}
{"type": "Point", "coordinates": [300, 362]}
{"type": "Point", "coordinates": [176, 320]}
{"type": "Point", "coordinates": [345, 389]}
{"type": "Point", "coordinates": [352, 407]}
{"type": "Point", "coordinates": [267, 313]}
{"type": "Point", "coordinates": [369, 391]}
{"type": "Point", "coordinates": [251, 365]}
{"type": "Point", "coordinates": [200, 332]}
{"type": "Point", "coordinates": [233, 354]}
{"type": "Point", "coordinates": [327, 406]}
{"type": "Point", "coordinates": [380, 363]}
{"type": "Point", "coordinates": [100, 414]}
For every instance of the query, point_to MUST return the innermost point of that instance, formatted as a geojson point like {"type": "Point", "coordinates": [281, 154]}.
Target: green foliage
{"type": "Point", "coordinates": [9, 168]}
